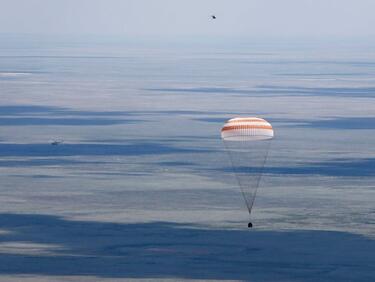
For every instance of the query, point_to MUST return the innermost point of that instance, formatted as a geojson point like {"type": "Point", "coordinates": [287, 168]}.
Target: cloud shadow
{"type": "Point", "coordinates": [48, 245]}
{"type": "Point", "coordinates": [90, 149]}
{"type": "Point", "coordinates": [337, 167]}
{"type": "Point", "coordinates": [272, 90]}
{"type": "Point", "coordinates": [340, 123]}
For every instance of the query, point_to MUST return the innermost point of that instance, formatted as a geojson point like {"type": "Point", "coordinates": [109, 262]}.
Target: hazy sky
{"type": "Point", "coordinates": [145, 18]}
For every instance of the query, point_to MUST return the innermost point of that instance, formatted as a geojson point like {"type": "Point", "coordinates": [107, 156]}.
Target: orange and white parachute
{"type": "Point", "coordinates": [247, 140]}
{"type": "Point", "coordinates": [247, 129]}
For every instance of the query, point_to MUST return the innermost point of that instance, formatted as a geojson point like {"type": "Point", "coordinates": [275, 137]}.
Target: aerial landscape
{"type": "Point", "coordinates": [116, 156]}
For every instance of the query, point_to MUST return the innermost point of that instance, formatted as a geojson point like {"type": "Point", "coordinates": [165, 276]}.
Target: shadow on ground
{"type": "Point", "coordinates": [272, 90]}
{"type": "Point", "coordinates": [91, 149]}
{"type": "Point", "coordinates": [49, 245]}
{"type": "Point", "coordinates": [344, 167]}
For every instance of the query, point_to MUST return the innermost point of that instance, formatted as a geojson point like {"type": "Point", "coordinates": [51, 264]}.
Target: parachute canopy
{"type": "Point", "coordinates": [247, 141]}
{"type": "Point", "coordinates": [247, 129]}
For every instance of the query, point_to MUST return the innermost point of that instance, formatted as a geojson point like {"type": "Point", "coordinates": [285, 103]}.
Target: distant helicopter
{"type": "Point", "coordinates": [56, 142]}
{"type": "Point", "coordinates": [213, 17]}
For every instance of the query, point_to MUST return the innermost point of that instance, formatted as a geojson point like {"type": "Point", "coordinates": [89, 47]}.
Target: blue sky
{"type": "Point", "coordinates": [171, 18]}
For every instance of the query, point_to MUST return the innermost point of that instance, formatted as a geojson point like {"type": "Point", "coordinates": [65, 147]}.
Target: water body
{"type": "Point", "coordinates": [141, 186]}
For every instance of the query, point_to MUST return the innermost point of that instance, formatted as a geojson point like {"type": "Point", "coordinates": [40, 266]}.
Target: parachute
{"type": "Point", "coordinates": [247, 141]}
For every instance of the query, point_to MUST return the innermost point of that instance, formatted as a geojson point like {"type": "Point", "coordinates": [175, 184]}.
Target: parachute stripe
{"type": "Point", "coordinates": [244, 127]}
{"type": "Point", "coordinates": [235, 120]}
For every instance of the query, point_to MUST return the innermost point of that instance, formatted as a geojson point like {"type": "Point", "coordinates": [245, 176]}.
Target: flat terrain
{"type": "Point", "coordinates": [141, 186]}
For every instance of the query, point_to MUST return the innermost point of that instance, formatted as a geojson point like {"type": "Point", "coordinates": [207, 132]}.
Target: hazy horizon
{"type": "Point", "coordinates": [166, 18]}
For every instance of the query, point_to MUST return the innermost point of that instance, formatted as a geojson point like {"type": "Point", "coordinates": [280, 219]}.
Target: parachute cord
{"type": "Point", "coordinates": [260, 176]}
{"type": "Point", "coordinates": [248, 205]}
